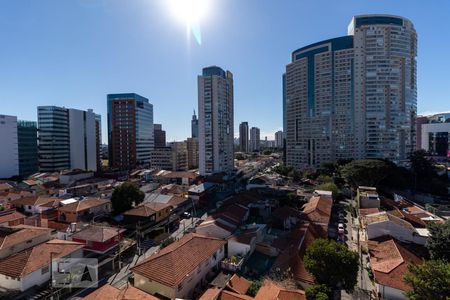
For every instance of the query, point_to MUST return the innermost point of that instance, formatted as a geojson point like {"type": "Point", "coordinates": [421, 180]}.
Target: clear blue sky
{"type": "Point", "coordinates": [72, 53]}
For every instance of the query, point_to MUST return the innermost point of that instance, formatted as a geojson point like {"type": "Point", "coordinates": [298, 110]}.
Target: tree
{"type": "Point", "coordinates": [318, 292]}
{"type": "Point", "coordinates": [125, 196]}
{"type": "Point", "coordinates": [332, 264]}
{"type": "Point", "coordinates": [167, 242]}
{"type": "Point", "coordinates": [438, 243]}
{"type": "Point", "coordinates": [254, 288]}
{"type": "Point", "coordinates": [329, 187]}
{"type": "Point", "coordinates": [368, 172]}
{"type": "Point", "coordinates": [430, 280]}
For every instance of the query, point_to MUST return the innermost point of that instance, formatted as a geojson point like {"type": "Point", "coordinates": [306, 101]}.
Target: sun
{"type": "Point", "coordinates": [190, 11]}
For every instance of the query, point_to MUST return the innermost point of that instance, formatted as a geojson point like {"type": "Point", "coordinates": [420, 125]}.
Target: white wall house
{"type": "Point", "coordinates": [382, 224]}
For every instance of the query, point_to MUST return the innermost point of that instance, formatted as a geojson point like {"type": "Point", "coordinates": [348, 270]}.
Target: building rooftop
{"type": "Point", "coordinates": [83, 205]}
{"type": "Point", "coordinates": [10, 236]}
{"type": "Point", "coordinates": [108, 292]}
{"type": "Point", "coordinates": [32, 259]}
{"type": "Point", "coordinates": [318, 209]}
{"type": "Point", "coordinates": [172, 264]}
{"type": "Point", "coordinates": [389, 261]}
{"type": "Point", "coordinates": [10, 215]}
{"type": "Point", "coordinates": [97, 233]}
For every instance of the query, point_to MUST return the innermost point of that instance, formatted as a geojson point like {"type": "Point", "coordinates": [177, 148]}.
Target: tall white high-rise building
{"type": "Point", "coordinates": [353, 96]}
{"type": "Point", "coordinates": [68, 139]}
{"type": "Point", "coordinates": [279, 139]}
{"type": "Point", "coordinates": [215, 108]}
{"type": "Point", "coordinates": [9, 151]}
{"type": "Point", "coordinates": [255, 139]}
{"type": "Point", "coordinates": [243, 137]}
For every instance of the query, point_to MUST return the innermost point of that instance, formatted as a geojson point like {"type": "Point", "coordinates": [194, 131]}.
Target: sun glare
{"type": "Point", "coordinates": [189, 11]}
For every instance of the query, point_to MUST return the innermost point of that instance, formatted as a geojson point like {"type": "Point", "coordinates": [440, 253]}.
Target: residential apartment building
{"type": "Point", "coordinates": [161, 158]}
{"type": "Point", "coordinates": [179, 156]}
{"type": "Point", "coordinates": [215, 106]}
{"type": "Point", "coordinates": [279, 139]}
{"type": "Point", "coordinates": [9, 154]}
{"type": "Point", "coordinates": [68, 139]}
{"type": "Point", "coordinates": [243, 137]}
{"type": "Point", "coordinates": [255, 139]}
{"type": "Point", "coordinates": [192, 153]}
{"type": "Point", "coordinates": [130, 131]}
{"type": "Point", "coordinates": [194, 126]}
{"type": "Point", "coordinates": [27, 147]}
{"type": "Point", "coordinates": [353, 96]}
{"type": "Point", "coordinates": [160, 136]}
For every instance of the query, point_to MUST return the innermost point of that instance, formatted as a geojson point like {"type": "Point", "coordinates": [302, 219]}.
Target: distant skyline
{"type": "Point", "coordinates": [74, 53]}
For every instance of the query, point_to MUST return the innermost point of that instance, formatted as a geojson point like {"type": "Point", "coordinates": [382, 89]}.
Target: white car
{"type": "Point", "coordinates": [341, 228]}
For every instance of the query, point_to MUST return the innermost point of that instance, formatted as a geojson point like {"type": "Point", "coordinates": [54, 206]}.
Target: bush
{"type": "Point", "coordinates": [329, 187]}
{"type": "Point", "coordinates": [254, 288]}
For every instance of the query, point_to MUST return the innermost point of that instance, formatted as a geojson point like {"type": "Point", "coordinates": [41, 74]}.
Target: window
{"type": "Point", "coordinates": [44, 270]}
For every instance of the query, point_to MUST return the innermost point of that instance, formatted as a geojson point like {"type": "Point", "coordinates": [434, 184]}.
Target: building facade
{"type": "Point", "coordinates": [255, 139]}
{"type": "Point", "coordinates": [194, 126]}
{"type": "Point", "coordinates": [27, 147]}
{"type": "Point", "coordinates": [353, 96]}
{"type": "Point", "coordinates": [215, 106]}
{"type": "Point", "coordinates": [192, 153]}
{"type": "Point", "coordinates": [161, 158]}
{"type": "Point", "coordinates": [130, 131]}
{"type": "Point", "coordinates": [160, 135]}
{"type": "Point", "coordinates": [9, 154]}
{"type": "Point", "coordinates": [179, 156]}
{"type": "Point", "coordinates": [243, 137]}
{"type": "Point", "coordinates": [68, 139]}
{"type": "Point", "coordinates": [279, 139]}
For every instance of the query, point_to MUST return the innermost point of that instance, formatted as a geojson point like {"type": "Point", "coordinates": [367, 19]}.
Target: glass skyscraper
{"type": "Point", "coordinates": [130, 131]}
{"type": "Point", "coordinates": [352, 96]}
{"type": "Point", "coordinates": [28, 148]}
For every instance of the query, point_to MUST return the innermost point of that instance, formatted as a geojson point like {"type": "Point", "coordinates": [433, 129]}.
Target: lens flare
{"type": "Point", "coordinates": [191, 13]}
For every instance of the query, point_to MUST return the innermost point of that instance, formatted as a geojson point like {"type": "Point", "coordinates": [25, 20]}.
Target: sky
{"type": "Point", "coordinates": [72, 53]}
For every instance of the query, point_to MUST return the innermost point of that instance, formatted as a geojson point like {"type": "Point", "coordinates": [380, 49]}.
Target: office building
{"type": "Point", "coordinates": [216, 134]}
{"type": "Point", "coordinates": [9, 154]}
{"type": "Point", "coordinates": [194, 126]}
{"type": "Point", "coordinates": [243, 137]}
{"type": "Point", "coordinates": [159, 135]}
{"type": "Point", "coordinates": [255, 141]}
{"type": "Point", "coordinates": [68, 139]}
{"type": "Point", "coordinates": [27, 147]}
{"type": "Point", "coordinates": [420, 120]}
{"type": "Point", "coordinates": [353, 96]}
{"type": "Point", "coordinates": [130, 131]}
{"type": "Point", "coordinates": [192, 153]}
{"type": "Point", "coordinates": [434, 132]}
{"type": "Point", "coordinates": [279, 139]}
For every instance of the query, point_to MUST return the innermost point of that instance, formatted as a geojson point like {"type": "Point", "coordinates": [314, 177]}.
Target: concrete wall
{"type": "Point", "coordinates": [5, 252]}
{"type": "Point", "coordinates": [9, 153]}
{"type": "Point", "coordinates": [235, 248]}
{"type": "Point", "coordinates": [390, 293]}
{"type": "Point", "coordinates": [399, 232]}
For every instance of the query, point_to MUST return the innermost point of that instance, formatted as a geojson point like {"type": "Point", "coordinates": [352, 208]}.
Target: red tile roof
{"type": "Point", "coordinates": [97, 233]}
{"type": "Point", "coordinates": [10, 215]}
{"type": "Point", "coordinates": [367, 211]}
{"type": "Point", "coordinates": [18, 234]}
{"type": "Point", "coordinates": [228, 295]}
{"type": "Point", "coordinates": [318, 209]}
{"type": "Point", "coordinates": [271, 291]}
{"type": "Point", "coordinates": [108, 292]}
{"type": "Point", "coordinates": [171, 265]}
{"type": "Point", "coordinates": [211, 294]}
{"type": "Point", "coordinates": [389, 261]}
{"type": "Point", "coordinates": [32, 259]}
{"type": "Point", "coordinates": [238, 284]}
{"type": "Point", "coordinates": [83, 205]}
{"type": "Point", "coordinates": [5, 186]}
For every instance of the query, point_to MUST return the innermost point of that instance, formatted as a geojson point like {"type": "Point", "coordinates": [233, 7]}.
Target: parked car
{"type": "Point", "coordinates": [186, 215]}
{"type": "Point", "coordinates": [341, 228]}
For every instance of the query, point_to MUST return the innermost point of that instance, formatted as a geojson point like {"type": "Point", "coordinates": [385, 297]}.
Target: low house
{"type": "Point", "coordinates": [5, 187]}
{"type": "Point", "coordinates": [367, 197]}
{"type": "Point", "coordinates": [178, 203]}
{"type": "Point", "coordinates": [98, 239]}
{"type": "Point", "coordinates": [384, 223]}
{"type": "Point", "coordinates": [225, 222]}
{"type": "Point", "coordinates": [271, 291]}
{"type": "Point", "coordinates": [31, 266]}
{"type": "Point", "coordinates": [179, 269]}
{"type": "Point", "coordinates": [35, 204]}
{"type": "Point", "coordinates": [11, 217]}
{"type": "Point", "coordinates": [238, 284]}
{"type": "Point", "coordinates": [84, 209]}
{"type": "Point", "coordinates": [108, 292]}
{"type": "Point", "coordinates": [17, 238]}
{"type": "Point", "coordinates": [286, 217]}
{"type": "Point", "coordinates": [292, 250]}
{"type": "Point", "coordinates": [318, 209]}
{"type": "Point", "coordinates": [200, 193]}
{"type": "Point", "coordinates": [389, 261]}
